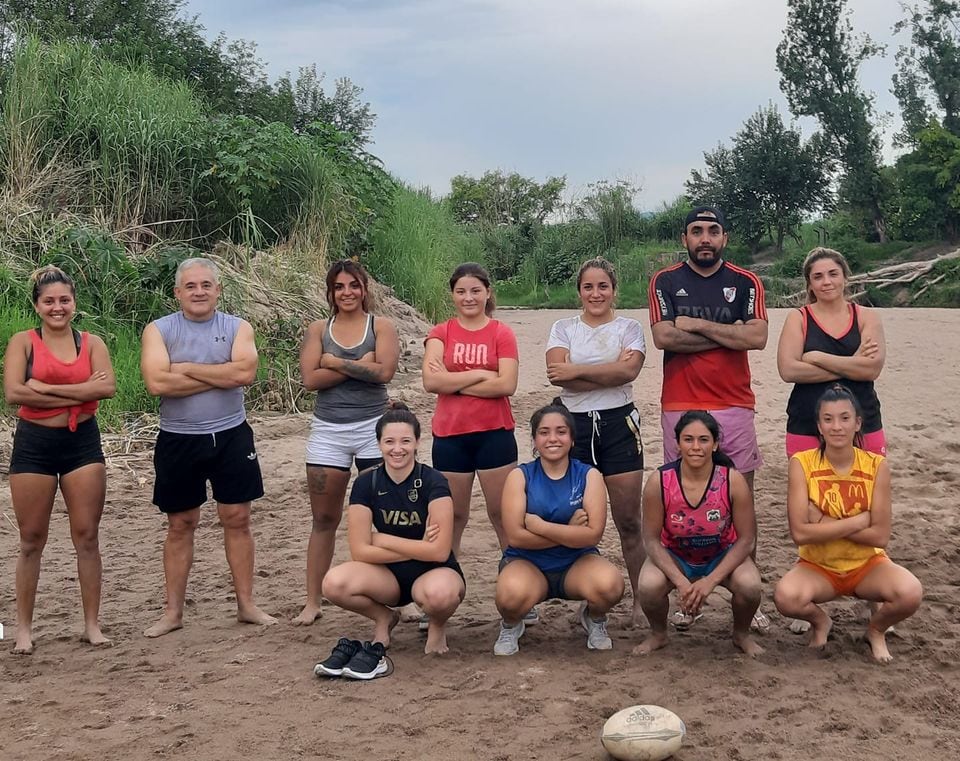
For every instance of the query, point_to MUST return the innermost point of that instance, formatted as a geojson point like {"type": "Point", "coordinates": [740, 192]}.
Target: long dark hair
{"type": "Point", "coordinates": [556, 407]}
{"type": "Point", "coordinates": [398, 412]}
{"type": "Point", "coordinates": [472, 269]}
{"type": "Point", "coordinates": [838, 393]}
{"type": "Point", "coordinates": [355, 270]}
{"type": "Point", "coordinates": [708, 420]}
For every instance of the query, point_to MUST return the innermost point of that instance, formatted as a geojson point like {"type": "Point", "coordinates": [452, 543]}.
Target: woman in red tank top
{"type": "Point", "coordinates": [57, 376]}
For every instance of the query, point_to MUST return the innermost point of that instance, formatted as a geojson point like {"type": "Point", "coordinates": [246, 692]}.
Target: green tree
{"type": "Point", "coordinates": [819, 60]}
{"type": "Point", "coordinates": [768, 181]}
{"type": "Point", "coordinates": [499, 199]}
{"type": "Point", "coordinates": [610, 207]}
{"type": "Point", "coordinates": [928, 70]}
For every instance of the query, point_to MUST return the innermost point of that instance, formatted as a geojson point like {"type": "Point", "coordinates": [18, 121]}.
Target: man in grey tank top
{"type": "Point", "coordinates": [197, 361]}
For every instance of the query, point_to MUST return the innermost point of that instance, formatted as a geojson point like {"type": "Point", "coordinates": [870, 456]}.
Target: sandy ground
{"type": "Point", "coordinates": [222, 690]}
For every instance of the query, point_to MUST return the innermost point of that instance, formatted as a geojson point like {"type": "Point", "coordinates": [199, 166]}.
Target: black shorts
{"type": "Point", "coordinates": [55, 451]}
{"type": "Point", "coordinates": [184, 462]}
{"type": "Point", "coordinates": [469, 452]}
{"type": "Point", "coordinates": [609, 440]}
{"type": "Point", "coordinates": [555, 579]}
{"type": "Point", "coordinates": [407, 572]}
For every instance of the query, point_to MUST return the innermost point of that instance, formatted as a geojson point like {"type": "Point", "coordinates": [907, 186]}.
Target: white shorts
{"type": "Point", "coordinates": [336, 445]}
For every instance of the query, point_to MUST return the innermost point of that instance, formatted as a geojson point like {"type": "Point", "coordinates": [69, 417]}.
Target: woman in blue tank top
{"type": "Point", "coordinates": [348, 360]}
{"type": "Point", "coordinates": [554, 512]}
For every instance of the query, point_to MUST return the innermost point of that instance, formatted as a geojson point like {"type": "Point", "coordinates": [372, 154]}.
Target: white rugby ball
{"type": "Point", "coordinates": [643, 733]}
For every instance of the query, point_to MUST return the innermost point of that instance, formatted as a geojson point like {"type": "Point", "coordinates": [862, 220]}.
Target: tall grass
{"type": "Point", "coordinates": [416, 245]}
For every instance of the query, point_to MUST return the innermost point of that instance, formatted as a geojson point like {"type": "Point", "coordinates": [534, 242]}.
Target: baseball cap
{"type": "Point", "coordinates": [705, 214]}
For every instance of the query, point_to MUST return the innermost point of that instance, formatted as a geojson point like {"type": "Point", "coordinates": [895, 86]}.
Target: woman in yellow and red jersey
{"type": "Point", "coordinates": [838, 506]}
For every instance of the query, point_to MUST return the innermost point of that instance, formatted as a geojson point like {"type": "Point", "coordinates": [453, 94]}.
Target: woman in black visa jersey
{"type": "Point", "coordinates": [400, 530]}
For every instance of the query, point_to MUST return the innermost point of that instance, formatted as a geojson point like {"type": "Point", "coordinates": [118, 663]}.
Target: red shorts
{"type": "Point", "coordinates": [844, 584]}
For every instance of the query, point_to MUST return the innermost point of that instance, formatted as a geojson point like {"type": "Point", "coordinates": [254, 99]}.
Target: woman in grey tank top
{"type": "Point", "coordinates": [348, 360]}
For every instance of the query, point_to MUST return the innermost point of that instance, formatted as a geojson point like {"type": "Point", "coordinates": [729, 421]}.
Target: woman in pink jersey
{"type": "Point", "coordinates": [839, 510]}
{"type": "Point", "coordinates": [699, 528]}
{"type": "Point", "coordinates": [57, 375]}
{"type": "Point", "coordinates": [470, 362]}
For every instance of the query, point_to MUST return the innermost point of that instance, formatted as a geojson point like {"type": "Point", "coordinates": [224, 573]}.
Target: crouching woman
{"type": "Point", "coordinates": [400, 530]}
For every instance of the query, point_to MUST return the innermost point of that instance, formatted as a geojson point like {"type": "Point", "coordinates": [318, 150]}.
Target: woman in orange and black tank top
{"type": "Point", "coordinates": [830, 339]}
{"type": "Point", "coordinates": [58, 376]}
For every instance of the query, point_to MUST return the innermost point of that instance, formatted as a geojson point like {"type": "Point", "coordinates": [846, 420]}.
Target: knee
{"type": "Point", "coordinates": [651, 587]}
{"type": "Point", "coordinates": [182, 525]}
{"type": "Point", "coordinates": [235, 518]}
{"type": "Point", "coordinates": [610, 590]}
{"type": "Point", "coordinates": [911, 595]}
{"type": "Point", "coordinates": [626, 516]}
{"type": "Point", "coordinates": [32, 542]}
{"type": "Point", "coordinates": [746, 586]}
{"type": "Point", "coordinates": [788, 598]}
{"type": "Point", "coordinates": [334, 585]}
{"type": "Point", "coordinates": [86, 538]}
{"type": "Point", "coordinates": [324, 522]}
{"type": "Point", "coordinates": [439, 597]}
{"type": "Point", "coordinates": [512, 600]}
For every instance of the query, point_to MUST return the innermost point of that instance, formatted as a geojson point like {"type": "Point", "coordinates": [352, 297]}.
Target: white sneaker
{"type": "Point", "coordinates": [508, 643]}
{"type": "Point", "coordinates": [597, 637]}
{"type": "Point", "coordinates": [531, 617]}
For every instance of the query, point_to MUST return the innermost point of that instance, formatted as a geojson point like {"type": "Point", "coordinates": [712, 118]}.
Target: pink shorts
{"type": "Point", "coordinates": [738, 437]}
{"type": "Point", "coordinates": [874, 442]}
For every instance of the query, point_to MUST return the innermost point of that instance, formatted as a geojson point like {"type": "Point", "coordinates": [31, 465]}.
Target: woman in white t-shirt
{"type": "Point", "coordinates": [594, 358]}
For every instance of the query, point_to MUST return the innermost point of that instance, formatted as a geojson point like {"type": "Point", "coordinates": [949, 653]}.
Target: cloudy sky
{"type": "Point", "coordinates": [590, 89]}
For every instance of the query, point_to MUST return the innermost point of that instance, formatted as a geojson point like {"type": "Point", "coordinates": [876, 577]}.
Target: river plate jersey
{"type": "Point", "coordinates": [716, 378]}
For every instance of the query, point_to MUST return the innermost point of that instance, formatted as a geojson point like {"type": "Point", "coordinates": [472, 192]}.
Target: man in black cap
{"type": "Point", "coordinates": [706, 314]}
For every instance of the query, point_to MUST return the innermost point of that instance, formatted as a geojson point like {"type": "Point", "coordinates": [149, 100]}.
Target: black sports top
{"type": "Point", "coordinates": [803, 399]}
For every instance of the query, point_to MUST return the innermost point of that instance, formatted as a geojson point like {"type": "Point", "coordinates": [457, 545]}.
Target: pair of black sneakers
{"type": "Point", "coordinates": [355, 660]}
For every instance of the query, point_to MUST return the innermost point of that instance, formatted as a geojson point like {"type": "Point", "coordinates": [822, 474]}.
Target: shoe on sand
{"type": "Point", "coordinates": [508, 643]}
{"type": "Point", "coordinates": [343, 651]}
{"type": "Point", "coordinates": [682, 621]}
{"type": "Point", "coordinates": [597, 637]}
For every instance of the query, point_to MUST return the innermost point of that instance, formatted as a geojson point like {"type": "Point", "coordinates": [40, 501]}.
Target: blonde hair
{"type": "Point", "coordinates": [598, 263]}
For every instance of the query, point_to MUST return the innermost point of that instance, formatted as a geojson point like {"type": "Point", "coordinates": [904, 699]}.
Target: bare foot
{"type": "Point", "coordinates": [820, 632]}
{"type": "Point", "coordinates": [747, 645]}
{"type": "Point", "coordinates": [94, 636]}
{"type": "Point", "coordinates": [878, 645]}
{"type": "Point", "coordinates": [165, 625]}
{"type": "Point", "coordinates": [308, 615]}
{"type": "Point", "coordinates": [654, 642]}
{"type": "Point", "coordinates": [24, 644]}
{"type": "Point", "coordinates": [253, 615]}
{"type": "Point", "coordinates": [436, 640]}
{"type": "Point", "coordinates": [383, 627]}
{"type": "Point", "coordinates": [410, 613]}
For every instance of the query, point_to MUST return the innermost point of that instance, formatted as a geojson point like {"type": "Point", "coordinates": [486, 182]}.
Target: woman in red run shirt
{"type": "Point", "coordinates": [470, 363]}
{"type": "Point", "coordinates": [57, 375]}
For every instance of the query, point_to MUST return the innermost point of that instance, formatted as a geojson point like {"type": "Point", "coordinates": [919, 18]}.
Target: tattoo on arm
{"type": "Point", "coordinates": [361, 372]}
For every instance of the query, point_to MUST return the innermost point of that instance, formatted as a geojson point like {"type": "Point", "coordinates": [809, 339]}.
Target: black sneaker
{"type": "Point", "coordinates": [368, 662]}
{"type": "Point", "coordinates": [344, 650]}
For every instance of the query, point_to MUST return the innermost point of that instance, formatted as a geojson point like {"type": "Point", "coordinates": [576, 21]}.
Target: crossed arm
{"type": "Point", "coordinates": [19, 390]}
{"type": "Point", "coordinates": [531, 532]}
{"type": "Point", "coordinates": [437, 379]}
{"type": "Point", "coordinates": [809, 525]}
{"type": "Point", "coordinates": [319, 370]}
{"type": "Point", "coordinates": [179, 379]}
{"type": "Point", "coordinates": [368, 546]}
{"type": "Point", "coordinates": [693, 594]}
{"type": "Point", "coordinates": [689, 335]}
{"type": "Point", "coordinates": [797, 366]}
{"type": "Point", "coordinates": [561, 372]}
